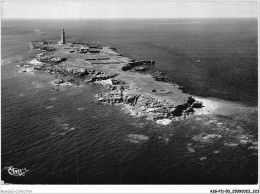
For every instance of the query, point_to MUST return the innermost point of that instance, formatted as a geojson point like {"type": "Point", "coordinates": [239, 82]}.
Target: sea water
{"type": "Point", "coordinates": [63, 136]}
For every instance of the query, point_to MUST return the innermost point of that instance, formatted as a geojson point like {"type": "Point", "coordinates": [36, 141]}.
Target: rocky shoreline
{"type": "Point", "coordinates": [119, 75]}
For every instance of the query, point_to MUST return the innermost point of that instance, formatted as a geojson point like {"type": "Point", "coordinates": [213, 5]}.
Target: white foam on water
{"type": "Point", "coordinates": [49, 107]}
{"type": "Point", "coordinates": [203, 158]}
{"type": "Point", "coordinates": [72, 129]}
{"type": "Point", "coordinates": [81, 108]}
{"type": "Point", "coordinates": [128, 109]}
{"type": "Point", "coordinates": [218, 106]}
{"type": "Point", "coordinates": [52, 99]}
{"type": "Point", "coordinates": [164, 121]}
{"type": "Point", "coordinates": [231, 144]}
{"type": "Point", "coordinates": [136, 138]}
{"type": "Point", "coordinates": [34, 62]}
{"type": "Point", "coordinates": [106, 82]}
{"type": "Point", "coordinates": [191, 150]}
{"type": "Point", "coordinates": [26, 70]}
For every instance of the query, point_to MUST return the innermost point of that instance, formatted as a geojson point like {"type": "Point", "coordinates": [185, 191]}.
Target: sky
{"type": "Point", "coordinates": [66, 9]}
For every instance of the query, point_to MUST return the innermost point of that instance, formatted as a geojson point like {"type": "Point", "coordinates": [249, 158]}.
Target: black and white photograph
{"type": "Point", "coordinates": [129, 93]}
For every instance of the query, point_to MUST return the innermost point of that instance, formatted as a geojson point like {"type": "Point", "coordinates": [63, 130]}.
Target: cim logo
{"type": "Point", "coordinates": [16, 171]}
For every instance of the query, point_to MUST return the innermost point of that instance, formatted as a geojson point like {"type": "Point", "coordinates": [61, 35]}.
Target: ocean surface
{"type": "Point", "coordinates": [62, 136]}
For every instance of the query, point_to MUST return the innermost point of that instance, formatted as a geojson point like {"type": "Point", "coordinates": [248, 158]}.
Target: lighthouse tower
{"type": "Point", "coordinates": [63, 37]}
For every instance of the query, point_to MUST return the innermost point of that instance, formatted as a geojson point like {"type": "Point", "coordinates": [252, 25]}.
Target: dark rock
{"type": "Point", "coordinates": [178, 111]}
{"type": "Point", "coordinates": [71, 80]}
{"type": "Point", "coordinates": [94, 79]}
{"type": "Point", "coordinates": [130, 65]}
{"type": "Point", "coordinates": [23, 70]}
{"type": "Point", "coordinates": [58, 81]}
{"type": "Point", "coordinates": [182, 89]}
{"type": "Point", "coordinates": [115, 82]}
{"type": "Point", "coordinates": [41, 67]}
{"type": "Point", "coordinates": [159, 76]}
{"type": "Point", "coordinates": [81, 72]}
{"type": "Point", "coordinates": [132, 99]}
{"type": "Point", "coordinates": [113, 48]}
{"type": "Point", "coordinates": [108, 76]}
{"type": "Point", "coordinates": [153, 90]}
{"type": "Point", "coordinates": [51, 60]}
{"type": "Point", "coordinates": [113, 87]}
{"type": "Point", "coordinates": [133, 63]}
{"type": "Point", "coordinates": [47, 48]}
{"type": "Point", "coordinates": [102, 77]}
{"type": "Point", "coordinates": [42, 46]}
{"type": "Point", "coordinates": [197, 104]}
{"type": "Point", "coordinates": [190, 100]}
{"type": "Point", "coordinates": [126, 67]}
{"type": "Point", "coordinates": [57, 59]}
{"type": "Point", "coordinates": [92, 71]}
{"type": "Point", "coordinates": [98, 73]}
{"type": "Point", "coordinates": [94, 51]}
{"type": "Point", "coordinates": [189, 110]}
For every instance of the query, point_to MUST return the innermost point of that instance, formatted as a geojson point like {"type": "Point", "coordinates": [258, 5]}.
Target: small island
{"type": "Point", "coordinates": [144, 90]}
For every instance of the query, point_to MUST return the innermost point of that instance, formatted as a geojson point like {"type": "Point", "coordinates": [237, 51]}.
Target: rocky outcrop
{"type": "Point", "coordinates": [58, 81]}
{"type": "Point", "coordinates": [145, 104]}
{"type": "Point", "coordinates": [57, 59]}
{"type": "Point", "coordinates": [182, 89]}
{"type": "Point", "coordinates": [45, 46]}
{"type": "Point", "coordinates": [190, 101]}
{"type": "Point", "coordinates": [91, 75]}
{"type": "Point", "coordinates": [101, 76]}
{"type": "Point", "coordinates": [80, 72]}
{"type": "Point", "coordinates": [134, 63]}
{"type": "Point", "coordinates": [130, 65]}
{"type": "Point", "coordinates": [120, 92]}
{"type": "Point", "coordinates": [197, 104]}
{"type": "Point", "coordinates": [51, 60]}
{"type": "Point", "coordinates": [159, 76]}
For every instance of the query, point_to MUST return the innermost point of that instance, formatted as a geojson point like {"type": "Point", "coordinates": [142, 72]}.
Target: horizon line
{"type": "Point", "coordinates": [255, 17]}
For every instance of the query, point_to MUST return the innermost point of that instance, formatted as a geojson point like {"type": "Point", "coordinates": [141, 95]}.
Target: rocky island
{"type": "Point", "coordinates": [138, 85]}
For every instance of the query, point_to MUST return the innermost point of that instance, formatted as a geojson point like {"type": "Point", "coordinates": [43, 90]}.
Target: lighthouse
{"type": "Point", "coordinates": [63, 37]}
